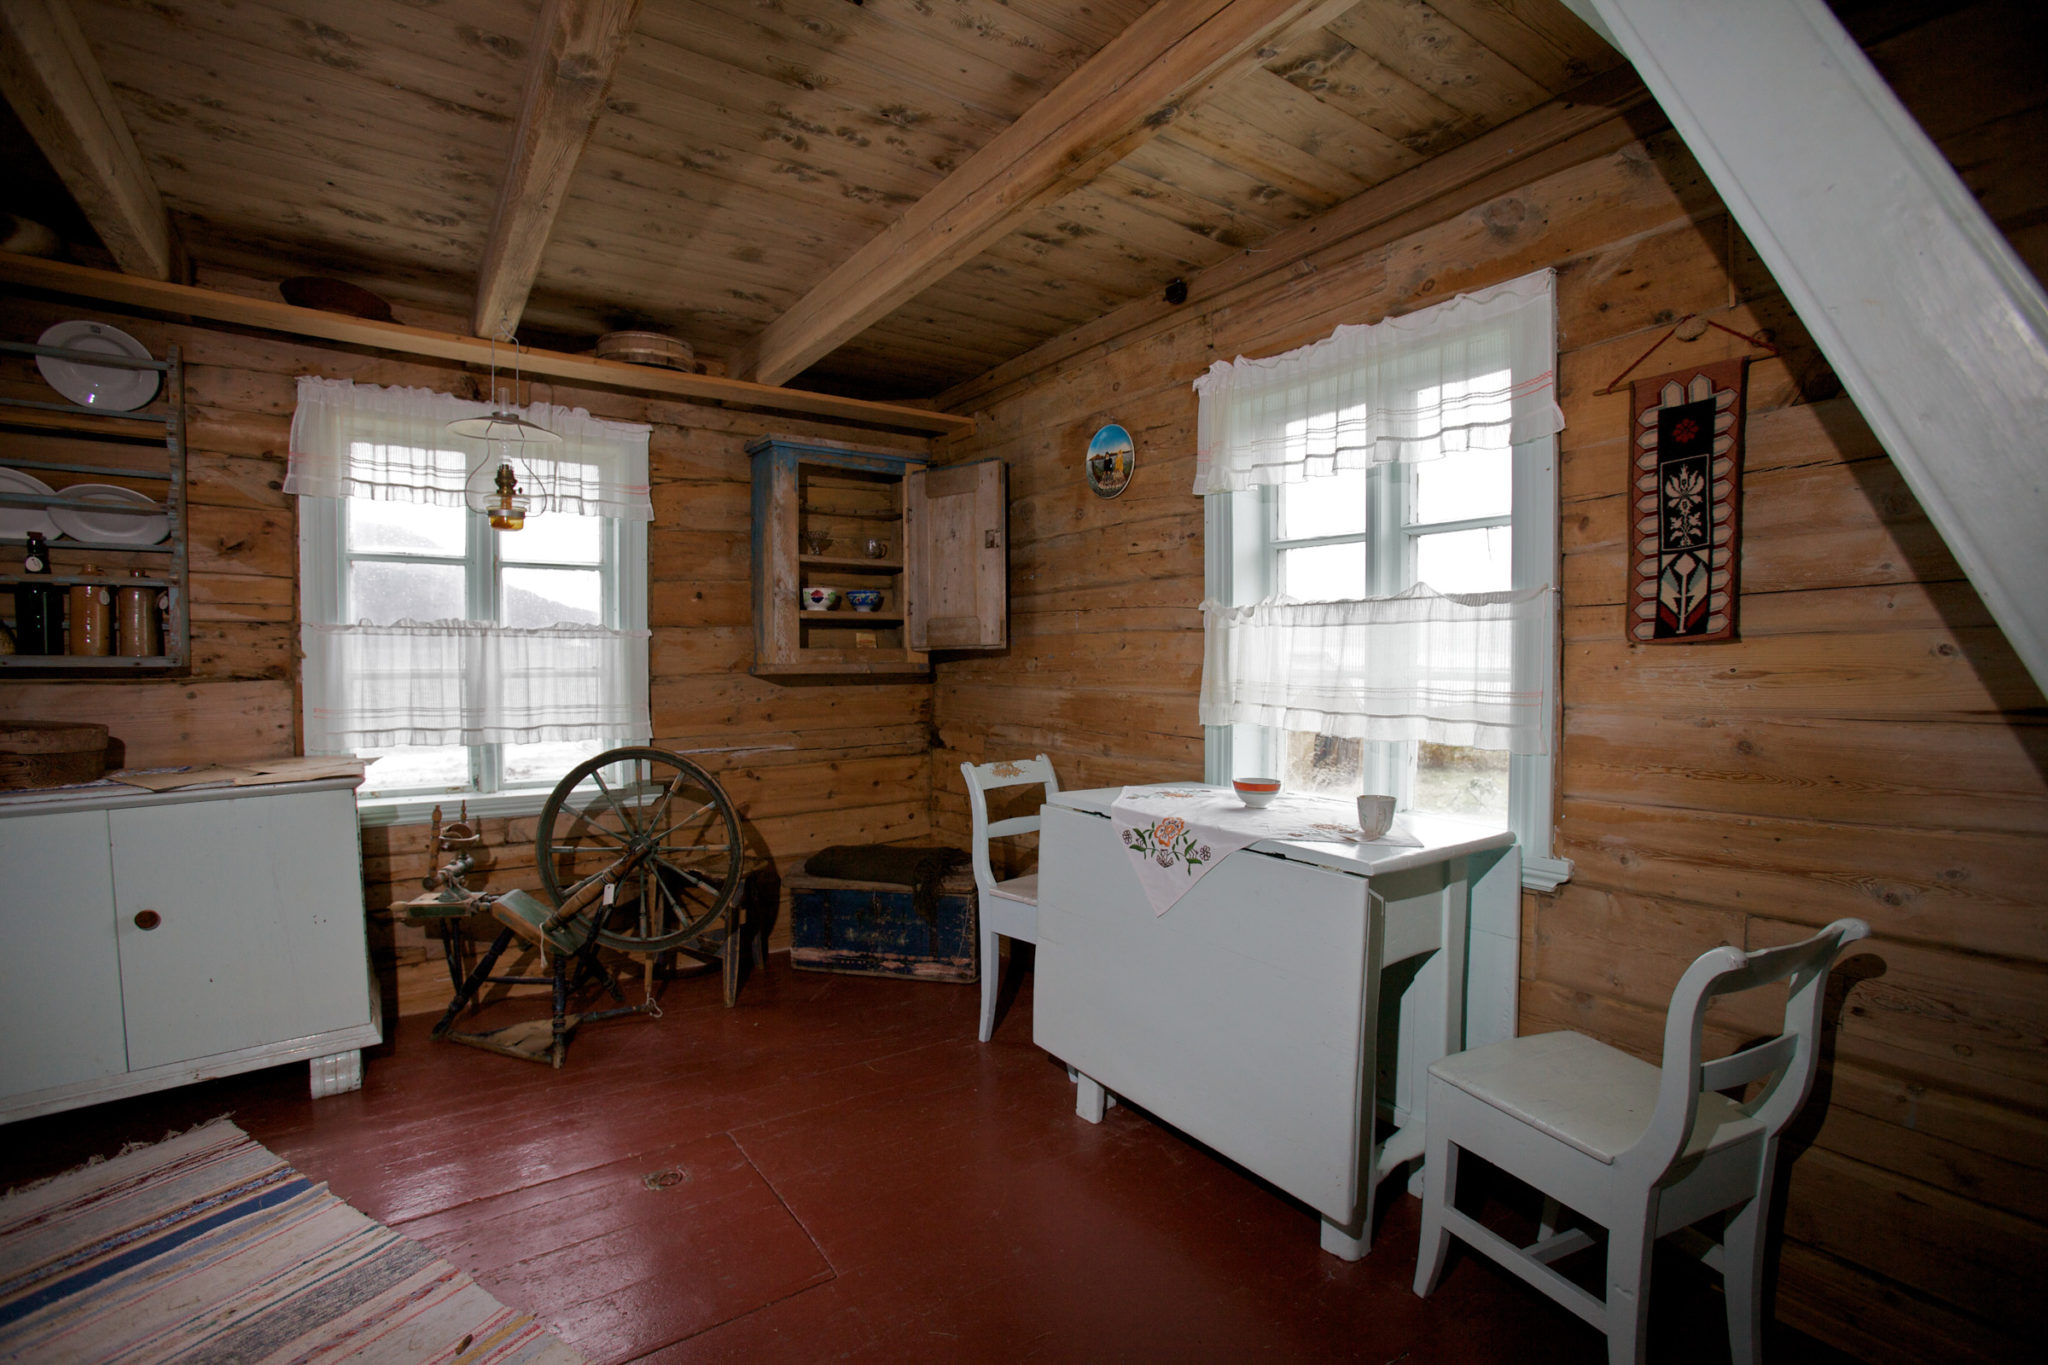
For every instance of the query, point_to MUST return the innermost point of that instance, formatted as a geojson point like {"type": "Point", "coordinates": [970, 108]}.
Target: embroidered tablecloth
{"type": "Point", "coordinates": [1176, 833]}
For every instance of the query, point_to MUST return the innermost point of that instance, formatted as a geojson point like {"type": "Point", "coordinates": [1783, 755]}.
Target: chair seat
{"type": "Point", "coordinates": [1584, 1093]}
{"type": "Point", "coordinates": [1022, 889]}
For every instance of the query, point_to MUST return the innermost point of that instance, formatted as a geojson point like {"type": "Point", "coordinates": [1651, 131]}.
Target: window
{"type": "Point", "coordinates": [468, 662]}
{"type": "Point", "coordinates": [1382, 532]}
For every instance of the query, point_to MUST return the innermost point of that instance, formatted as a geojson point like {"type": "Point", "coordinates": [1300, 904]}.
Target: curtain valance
{"type": "Point", "coordinates": [354, 440]}
{"type": "Point", "coordinates": [1474, 372]}
{"type": "Point", "coordinates": [1461, 669]}
{"type": "Point", "coordinates": [468, 682]}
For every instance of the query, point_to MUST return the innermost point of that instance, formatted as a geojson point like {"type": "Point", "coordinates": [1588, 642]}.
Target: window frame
{"type": "Point", "coordinates": [323, 568]}
{"type": "Point", "coordinates": [1241, 565]}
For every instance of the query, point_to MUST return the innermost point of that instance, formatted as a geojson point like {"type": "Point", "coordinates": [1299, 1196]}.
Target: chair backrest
{"type": "Point", "coordinates": [1788, 1058]}
{"type": "Point", "coordinates": [985, 777]}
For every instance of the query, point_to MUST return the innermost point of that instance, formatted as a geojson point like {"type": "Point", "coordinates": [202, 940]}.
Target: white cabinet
{"type": "Point", "coordinates": [156, 940]}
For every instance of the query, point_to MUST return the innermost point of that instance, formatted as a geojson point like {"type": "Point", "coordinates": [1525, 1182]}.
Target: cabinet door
{"type": "Point", "coordinates": [260, 937]}
{"type": "Point", "coordinates": [956, 565]}
{"type": "Point", "coordinates": [60, 991]}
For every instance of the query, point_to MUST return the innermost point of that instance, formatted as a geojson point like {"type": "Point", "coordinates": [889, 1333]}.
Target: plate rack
{"type": "Point", "coordinates": [45, 438]}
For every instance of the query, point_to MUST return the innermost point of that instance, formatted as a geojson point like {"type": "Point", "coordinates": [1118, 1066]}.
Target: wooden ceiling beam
{"type": "Point", "coordinates": [575, 48]}
{"type": "Point", "coordinates": [1126, 93]}
{"type": "Point", "coordinates": [210, 305]}
{"type": "Point", "coordinates": [55, 86]}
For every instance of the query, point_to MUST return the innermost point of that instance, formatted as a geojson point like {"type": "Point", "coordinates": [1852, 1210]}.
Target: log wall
{"type": "Point", "coordinates": [807, 767]}
{"type": "Point", "coordinates": [1870, 746]}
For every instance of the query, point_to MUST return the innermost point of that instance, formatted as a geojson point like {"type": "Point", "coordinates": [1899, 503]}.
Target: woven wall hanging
{"type": "Point", "coordinates": [1685, 495]}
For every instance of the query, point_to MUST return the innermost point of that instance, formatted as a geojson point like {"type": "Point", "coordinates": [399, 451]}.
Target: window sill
{"type": "Point", "coordinates": [383, 811]}
{"type": "Point", "coordinates": [1544, 874]}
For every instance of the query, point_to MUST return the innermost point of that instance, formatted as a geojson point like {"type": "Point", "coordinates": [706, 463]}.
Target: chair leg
{"type": "Point", "coordinates": [1628, 1287]}
{"type": "Point", "coordinates": [1742, 1276]}
{"type": "Point", "coordinates": [1439, 1192]}
{"type": "Point", "coordinates": [991, 979]}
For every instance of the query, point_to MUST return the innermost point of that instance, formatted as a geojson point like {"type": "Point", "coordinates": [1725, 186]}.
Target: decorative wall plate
{"type": "Point", "coordinates": [97, 386]}
{"type": "Point", "coordinates": [16, 522]}
{"type": "Point", "coordinates": [111, 528]}
{"type": "Point", "coordinates": [1112, 459]}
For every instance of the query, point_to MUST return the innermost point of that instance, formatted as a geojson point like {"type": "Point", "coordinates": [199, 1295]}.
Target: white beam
{"type": "Point", "coordinates": [1936, 329]}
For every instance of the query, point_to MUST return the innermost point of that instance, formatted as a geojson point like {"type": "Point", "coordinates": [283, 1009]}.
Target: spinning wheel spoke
{"type": "Point", "coordinates": [676, 873]}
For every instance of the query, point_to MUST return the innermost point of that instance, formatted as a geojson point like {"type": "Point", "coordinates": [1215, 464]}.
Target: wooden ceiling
{"type": "Point", "coordinates": [883, 198]}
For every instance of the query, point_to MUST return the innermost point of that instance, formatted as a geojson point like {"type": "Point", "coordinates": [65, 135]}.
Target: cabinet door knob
{"type": "Point", "coordinates": [147, 919]}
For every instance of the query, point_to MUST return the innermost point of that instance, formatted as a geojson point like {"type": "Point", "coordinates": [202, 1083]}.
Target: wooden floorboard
{"type": "Point", "coordinates": [836, 1169]}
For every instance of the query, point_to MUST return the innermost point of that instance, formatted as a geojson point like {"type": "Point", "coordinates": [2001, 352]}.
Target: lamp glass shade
{"type": "Point", "coordinates": [504, 426]}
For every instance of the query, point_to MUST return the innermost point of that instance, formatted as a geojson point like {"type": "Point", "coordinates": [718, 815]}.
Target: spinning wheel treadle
{"type": "Point", "coordinates": [652, 842]}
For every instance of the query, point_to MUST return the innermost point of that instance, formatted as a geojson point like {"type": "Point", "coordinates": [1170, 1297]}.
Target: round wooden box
{"type": "Point", "coordinates": [647, 348]}
{"type": "Point", "coordinates": [40, 753]}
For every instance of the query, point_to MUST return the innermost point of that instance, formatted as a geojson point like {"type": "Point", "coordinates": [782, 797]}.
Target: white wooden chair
{"type": "Point", "coordinates": [1642, 1151]}
{"type": "Point", "coordinates": [1008, 909]}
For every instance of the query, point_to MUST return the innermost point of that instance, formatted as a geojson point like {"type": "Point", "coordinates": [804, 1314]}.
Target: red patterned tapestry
{"type": "Point", "coordinates": [1685, 492]}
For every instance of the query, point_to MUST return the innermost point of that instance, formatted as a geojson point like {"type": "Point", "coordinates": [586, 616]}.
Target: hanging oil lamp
{"type": "Point", "coordinates": [504, 485]}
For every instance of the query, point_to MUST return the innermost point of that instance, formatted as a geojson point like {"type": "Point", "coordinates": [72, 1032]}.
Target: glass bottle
{"type": "Point", "coordinates": [38, 610]}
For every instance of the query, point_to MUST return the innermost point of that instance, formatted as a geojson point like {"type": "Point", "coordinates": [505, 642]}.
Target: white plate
{"type": "Point", "coordinates": [17, 522]}
{"type": "Point", "coordinates": [97, 386]}
{"type": "Point", "coordinates": [113, 528]}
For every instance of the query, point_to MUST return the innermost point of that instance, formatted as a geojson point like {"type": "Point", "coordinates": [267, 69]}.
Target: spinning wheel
{"type": "Point", "coordinates": [654, 834]}
{"type": "Point", "coordinates": [639, 852]}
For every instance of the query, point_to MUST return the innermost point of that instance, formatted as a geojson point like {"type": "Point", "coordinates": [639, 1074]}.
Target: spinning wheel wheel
{"type": "Point", "coordinates": [648, 840]}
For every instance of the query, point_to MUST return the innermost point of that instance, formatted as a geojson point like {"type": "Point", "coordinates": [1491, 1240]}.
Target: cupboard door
{"type": "Point", "coordinates": [60, 993]}
{"type": "Point", "coordinates": [258, 936]}
{"type": "Point", "coordinates": [956, 567]}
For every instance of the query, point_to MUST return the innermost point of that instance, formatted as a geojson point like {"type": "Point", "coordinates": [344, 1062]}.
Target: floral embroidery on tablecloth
{"type": "Point", "coordinates": [1167, 842]}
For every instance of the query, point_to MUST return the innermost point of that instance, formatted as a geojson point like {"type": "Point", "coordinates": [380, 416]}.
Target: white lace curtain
{"type": "Point", "coordinates": [370, 685]}
{"type": "Point", "coordinates": [1474, 372]}
{"type": "Point", "coordinates": [1421, 665]}
{"type": "Point", "coordinates": [468, 682]}
{"type": "Point", "coordinates": [353, 440]}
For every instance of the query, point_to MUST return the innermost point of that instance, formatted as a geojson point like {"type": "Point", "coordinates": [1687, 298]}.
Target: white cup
{"type": "Point", "coordinates": [1375, 815]}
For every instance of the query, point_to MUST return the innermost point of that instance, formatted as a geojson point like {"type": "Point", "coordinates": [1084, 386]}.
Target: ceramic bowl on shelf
{"type": "Point", "coordinates": [820, 599]}
{"type": "Point", "coordinates": [863, 599]}
{"type": "Point", "coordinates": [1256, 792]}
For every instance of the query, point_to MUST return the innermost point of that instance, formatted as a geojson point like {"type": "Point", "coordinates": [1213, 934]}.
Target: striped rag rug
{"type": "Point", "coordinates": [207, 1247]}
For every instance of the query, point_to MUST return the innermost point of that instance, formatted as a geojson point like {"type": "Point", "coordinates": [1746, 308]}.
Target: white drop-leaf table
{"type": "Point", "coordinates": [1296, 993]}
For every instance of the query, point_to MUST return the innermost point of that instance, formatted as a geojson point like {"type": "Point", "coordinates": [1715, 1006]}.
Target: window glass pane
{"type": "Point", "coordinates": [411, 769]}
{"type": "Point", "coordinates": [1466, 561]}
{"type": "Point", "coordinates": [1323, 573]}
{"type": "Point", "coordinates": [1323, 507]}
{"type": "Point", "coordinates": [1322, 763]}
{"type": "Point", "coordinates": [382, 592]}
{"type": "Point", "coordinates": [1460, 487]}
{"type": "Point", "coordinates": [543, 765]}
{"type": "Point", "coordinates": [405, 528]}
{"type": "Point", "coordinates": [554, 539]}
{"type": "Point", "coordinates": [1456, 781]}
{"type": "Point", "coordinates": [547, 597]}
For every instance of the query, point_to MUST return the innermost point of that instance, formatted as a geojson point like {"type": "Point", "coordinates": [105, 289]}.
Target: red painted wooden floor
{"type": "Point", "coordinates": [837, 1170]}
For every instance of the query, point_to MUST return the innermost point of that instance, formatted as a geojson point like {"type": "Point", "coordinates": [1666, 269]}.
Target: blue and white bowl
{"type": "Point", "coordinates": [863, 599]}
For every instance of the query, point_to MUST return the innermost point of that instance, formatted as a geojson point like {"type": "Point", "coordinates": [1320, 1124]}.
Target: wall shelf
{"type": "Point", "coordinates": [74, 444]}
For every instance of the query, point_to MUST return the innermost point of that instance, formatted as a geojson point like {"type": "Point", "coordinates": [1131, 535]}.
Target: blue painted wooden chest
{"type": "Point", "coordinates": [876, 928]}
